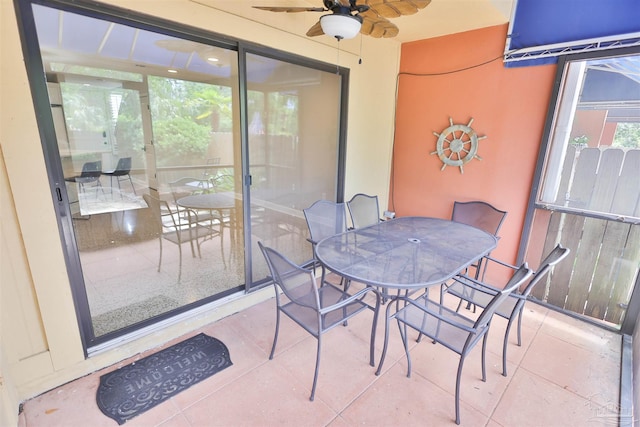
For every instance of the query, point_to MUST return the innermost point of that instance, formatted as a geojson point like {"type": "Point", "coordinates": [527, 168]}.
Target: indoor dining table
{"type": "Point", "coordinates": [405, 254]}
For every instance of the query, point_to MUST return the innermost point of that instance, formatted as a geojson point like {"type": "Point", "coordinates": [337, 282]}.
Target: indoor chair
{"type": "Point", "coordinates": [122, 171]}
{"type": "Point", "coordinates": [91, 172]}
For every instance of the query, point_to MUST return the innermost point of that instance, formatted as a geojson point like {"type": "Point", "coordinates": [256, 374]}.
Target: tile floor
{"type": "Point", "coordinates": [565, 374]}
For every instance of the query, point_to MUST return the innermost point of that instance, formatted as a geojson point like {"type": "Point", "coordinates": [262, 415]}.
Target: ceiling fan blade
{"type": "Point", "coordinates": [395, 8]}
{"type": "Point", "coordinates": [376, 26]}
{"type": "Point", "coordinates": [316, 30]}
{"type": "Point", "coordinates": [290, 9]}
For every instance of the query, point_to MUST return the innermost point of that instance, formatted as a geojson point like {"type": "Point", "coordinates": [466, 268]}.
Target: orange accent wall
{"type": "Point", "coordinates": [508, 106]}
{"type": "Point", "coordinates": [591, 124]}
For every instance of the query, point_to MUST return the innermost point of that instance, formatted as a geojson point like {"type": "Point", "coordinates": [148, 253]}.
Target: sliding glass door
{"type": "Point", "coordinates": [155, 154]}
{"type": "Point", "coordinates": [293, 151]}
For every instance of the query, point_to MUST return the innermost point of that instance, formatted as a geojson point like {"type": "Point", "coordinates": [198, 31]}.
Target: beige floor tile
{"type": "Point", "coordinates": [265, 396]}
{"type": "Point", "coordinates": [565, 374]}
{"type": "Point", "coordinates": [586, 373]}
{"type": "Point", "coordinates": [531, 400]}
{"type": "Point", "coordinates": [396, 400]}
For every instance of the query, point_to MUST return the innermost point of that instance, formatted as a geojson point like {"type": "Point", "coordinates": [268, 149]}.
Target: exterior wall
{"type": "Point", "coordinates": [589, 123]}
{"type": "Point", "coordinates": [40, 345]}
{"type": "Point", "coordinates": [508, 106]}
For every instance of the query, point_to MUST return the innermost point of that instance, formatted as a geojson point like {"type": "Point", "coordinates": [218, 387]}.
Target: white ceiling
{"type": "Point", "coordinates": [439, 18]}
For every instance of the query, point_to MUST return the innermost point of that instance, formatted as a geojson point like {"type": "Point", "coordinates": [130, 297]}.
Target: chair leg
{"type": "Point", "coordinates": [484, 357]}
{"type": "Point", "coordinates": [373, 331]}
{"type": "Point", "coordinates": [520, 327]}
{"type": "Point", "coordinates": [386, 340]}
{"type": "Point", "coordinates": [504, 346]}
{"type": "Point", "coordinates": [403, 335]}
{"type": "Point", "coordinates": [458, 377]}
{"type": "Point", "coordinates": [315, 375]}
{"type": "Point", "coordinates": [132, 186]}
{"type": "Point", "coordinates": [179, 262]}
{"type": "Point", "coordinates": [275, 336]}
{"type": "Point", "coordinates": [160, 259]}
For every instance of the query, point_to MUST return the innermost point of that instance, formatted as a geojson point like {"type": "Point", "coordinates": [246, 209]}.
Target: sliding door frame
{"type": "Point", "coordinates": [38, 84]}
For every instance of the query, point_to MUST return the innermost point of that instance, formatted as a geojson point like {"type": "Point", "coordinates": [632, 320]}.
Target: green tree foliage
{"type": "Point", "coordinates": [180, 141]}
{"type": "Point", "coordinates": [184, 115]}
{"type": "Point", "coordinates": [627, 135]}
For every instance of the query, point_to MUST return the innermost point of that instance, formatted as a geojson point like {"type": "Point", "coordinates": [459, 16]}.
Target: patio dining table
{"type": "Point", "coordinates": [218, 202]}
{"type": "Point", "coordinates": [408, 253]}
{"type": "Point", "coordinates": [405, 253]}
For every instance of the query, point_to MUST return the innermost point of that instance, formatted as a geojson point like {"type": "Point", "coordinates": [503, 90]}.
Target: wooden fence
{"type": "Point", "coordinates": [597, 279]}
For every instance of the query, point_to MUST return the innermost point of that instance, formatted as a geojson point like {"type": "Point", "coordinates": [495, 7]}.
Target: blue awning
{"type": "Point", "coordinates": [542, 30]}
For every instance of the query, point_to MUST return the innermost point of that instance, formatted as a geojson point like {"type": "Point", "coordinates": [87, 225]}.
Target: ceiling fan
{"type": "Point", "coordinates": [348, 17]}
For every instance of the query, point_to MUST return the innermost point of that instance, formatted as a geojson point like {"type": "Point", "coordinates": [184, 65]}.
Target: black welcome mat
{"type": "Point", "coordinates": [138, 387]}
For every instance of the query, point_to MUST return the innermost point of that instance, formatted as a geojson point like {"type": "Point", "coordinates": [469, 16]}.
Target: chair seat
{"type": "Point", "coordinates": [481, 299]}
{"type": "Point", "coordinates": [329, 295]}
{"type": "Point", "coordinates": [187, 234]}
{"type": "Point", "coordinates": [421, 316]}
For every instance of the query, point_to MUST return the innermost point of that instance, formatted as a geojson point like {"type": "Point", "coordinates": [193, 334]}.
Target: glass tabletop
{"type": "Point", "coordinates": [404, 253]}
{"type": "Point", "coordinates": [208, 201]}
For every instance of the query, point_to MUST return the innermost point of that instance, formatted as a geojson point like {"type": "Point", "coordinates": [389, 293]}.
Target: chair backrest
{"type": "Point", "coordinates": [480, 215]}
{"type": "Point", "coordinates": [187, 186]}
{"type": "Point", "coordinates": [324, 219]}
{"type": "Point", "coordinates": [91, 169]}
{"type": "Point", "coordinates": [154, 206]}
{"type": "Point", "coordinates": [298, 284]}
{"type": "Point", "coordinates": [160, 209]}
{"type": "Point", "coordinates": [364, 210]}
{"type": "Point", "coordinates": [555, 256]}
{"type": "Point", "coordinates": [521, 275]}
{"type": "Point", "coordinates": [124, 166]}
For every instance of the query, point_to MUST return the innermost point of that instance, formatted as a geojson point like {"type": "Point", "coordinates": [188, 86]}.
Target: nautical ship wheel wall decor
{"type": "Point", "coordinates": [457, 145]}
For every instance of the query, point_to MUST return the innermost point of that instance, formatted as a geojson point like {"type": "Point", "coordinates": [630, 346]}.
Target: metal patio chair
{"type": "Point", "coordinates": [480, 215]}
{"type": "Point", "coordinates": [325, 218]}
{"type": "Point", "coordinates": [364, 210]}
{"type": "Point", "coordinates": [169, 227]}
{"type": "Point", "coordinates": [480, 294]}
{"type": "Point", "coordinates": [315, 309]}
{"type": "Point", "coordinates": [448, 327]}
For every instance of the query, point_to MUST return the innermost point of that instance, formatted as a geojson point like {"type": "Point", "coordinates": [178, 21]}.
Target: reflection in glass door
{"type": "Point", "coordinates": [294, 122]}
{"type": "Point", "coordinates": [149, 148]}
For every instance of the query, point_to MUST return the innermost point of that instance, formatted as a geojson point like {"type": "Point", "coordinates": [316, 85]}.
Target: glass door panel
{"type": "Point", "coordinates": [143, 121]}
{"type": "Point", "coordinates": [294, 120]}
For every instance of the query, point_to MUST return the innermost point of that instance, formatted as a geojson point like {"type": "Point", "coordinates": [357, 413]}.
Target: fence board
{"type": "Point", "coordinates": [541, 291]}
{"type": "Point", "coordinates": [581, 190]}
{"type": "Point", "coordinates": [553, 231]}
{"type": "Point", "coordinates": [628, 263]}
{"type": "Point", "coordinates": [603, 250]}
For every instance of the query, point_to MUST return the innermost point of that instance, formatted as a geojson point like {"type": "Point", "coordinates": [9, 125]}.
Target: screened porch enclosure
{"type": "Point", "coordinates": [589, 192]}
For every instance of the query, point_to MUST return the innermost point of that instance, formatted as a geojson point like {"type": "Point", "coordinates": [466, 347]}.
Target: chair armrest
{"type": "Point", "coordinates": [437, 315]}
{"type": "Point", "coordinates": [497, 261]}
{"type": "Point", "coordinates": [354, 297]}
{"type": "Point", "coordinates": [475, 284]}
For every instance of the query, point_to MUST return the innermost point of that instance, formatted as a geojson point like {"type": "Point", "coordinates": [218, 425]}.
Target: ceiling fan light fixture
{"type": "Point", "coordinates": [341, 26]}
